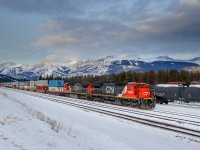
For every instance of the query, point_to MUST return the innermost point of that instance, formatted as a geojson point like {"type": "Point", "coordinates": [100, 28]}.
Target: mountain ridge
{"type": "Point", "coordinates": [5, 78]}
{"type": "Point", "coordinates": [105, 65]}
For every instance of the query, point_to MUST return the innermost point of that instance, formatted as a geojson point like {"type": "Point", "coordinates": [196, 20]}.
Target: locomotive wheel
{"type": "Point", "coordinates": [166, 102]}
{"type": "Point", "coordinates": [147, 104]}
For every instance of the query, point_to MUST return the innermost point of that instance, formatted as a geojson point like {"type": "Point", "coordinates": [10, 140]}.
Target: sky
{"type": "Point", "coordinates": [66, 30]}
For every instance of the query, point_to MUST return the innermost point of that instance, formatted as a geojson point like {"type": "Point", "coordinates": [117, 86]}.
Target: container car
{"type": "Point", "coordinates": [42, 86]}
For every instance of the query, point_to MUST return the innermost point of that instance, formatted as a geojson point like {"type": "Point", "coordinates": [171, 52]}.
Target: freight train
{"type": "Point", "coordinates": [181, 91]}
{"type": "Point", "coordinates": [130, 94]}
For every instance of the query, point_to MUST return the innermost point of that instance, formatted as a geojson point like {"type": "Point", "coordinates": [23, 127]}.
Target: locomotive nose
{"type": "Point", "coordinates": [145, 93]}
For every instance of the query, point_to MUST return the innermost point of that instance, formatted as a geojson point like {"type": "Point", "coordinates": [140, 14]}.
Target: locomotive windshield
{"type": "Point", "coordinates": [140, 86]}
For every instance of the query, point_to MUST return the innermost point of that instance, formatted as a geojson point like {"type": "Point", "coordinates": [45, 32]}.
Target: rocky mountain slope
{"type": "Point", "coordinates": [106, 65]}
{"type": "Point", "coordinates": [5, 78]}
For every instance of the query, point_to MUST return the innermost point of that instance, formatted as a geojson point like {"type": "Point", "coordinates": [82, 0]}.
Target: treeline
{"type": "Point", "coordinates": [150, 77]}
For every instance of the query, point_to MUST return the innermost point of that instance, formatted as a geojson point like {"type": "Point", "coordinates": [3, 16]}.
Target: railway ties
{"type": "Point", "coordinates": [111, 111]}
{"type": "Point", "coordinates": [127, 110]}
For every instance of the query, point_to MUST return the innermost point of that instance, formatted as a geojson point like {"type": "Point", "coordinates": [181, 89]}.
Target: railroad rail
{"type": "Point", "coordinates": [143, 117]}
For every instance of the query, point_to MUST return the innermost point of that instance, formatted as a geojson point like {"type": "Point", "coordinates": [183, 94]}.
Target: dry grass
{"type": "Point", "coordinates": [193, 69]}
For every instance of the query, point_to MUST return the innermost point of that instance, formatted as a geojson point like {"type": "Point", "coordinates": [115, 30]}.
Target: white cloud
{"type": "Point", "coordinates": [154, 33]}
{"type": "Point", "coordinates": [55, 40]}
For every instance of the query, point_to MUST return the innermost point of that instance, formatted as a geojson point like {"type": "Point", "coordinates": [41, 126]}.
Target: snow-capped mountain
{"type": "Point", "coordinates": [195, 60]}
{"type": "Point", "coordinates": [166, 58]}
{"type": "Point", "coordinates": [5, 78]}
{"type": "Point", "coordinates": [13, 69]}
{"type": "Point", "coordinates": [106, 65]}
{"type": "Point", "coordinates": [49, 68]}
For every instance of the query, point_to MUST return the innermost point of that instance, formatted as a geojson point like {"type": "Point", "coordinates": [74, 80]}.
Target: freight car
{"type": "Point", "coordinates": [185, 92]}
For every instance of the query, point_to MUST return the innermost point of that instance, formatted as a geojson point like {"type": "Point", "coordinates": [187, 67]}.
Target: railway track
{"type": "Point", "coordinates": [185, 105]}
{"type": "Point", "coordinates": [178, 114]}
{"type": "Point", "coordinates": [129, 110]}
{"type": "Point", "coordinates": [127, 114]}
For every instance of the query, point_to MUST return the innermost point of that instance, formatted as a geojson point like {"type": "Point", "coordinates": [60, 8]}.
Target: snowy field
{"type": "Point", "coordinates": [30, 123]}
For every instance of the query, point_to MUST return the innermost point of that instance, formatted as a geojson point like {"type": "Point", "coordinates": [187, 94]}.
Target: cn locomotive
{"type": "Point", "coordinates": [127, 94]}
{"type": "Point", "coordinates": [130, 94]}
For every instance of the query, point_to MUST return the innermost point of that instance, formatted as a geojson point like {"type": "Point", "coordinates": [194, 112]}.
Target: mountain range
{"type": "Point", "coordinates": [5, 78]}
{"type": "Point", "coordinates": [106, 65]}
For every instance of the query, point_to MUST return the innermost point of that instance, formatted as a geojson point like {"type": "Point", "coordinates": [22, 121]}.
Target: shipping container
{"type": "Point", "coordinates": [33, 83]}
{"type": "Point", "coordinates": [42, 88]}
{"type": "Point", "coordinates": [27, 83]}
{"type": "Point", "coordinates": [26, 87]}
{"type": "Point", "coordinates": [42, 83]}
{"type": "Point", "coordinates": [56, 89]}
{"type": "Point", "coordinates": [14, 85]}
{"type": "Point", "coordinates": [9, 84]}
{"type": "Point", "coordinates": [56, 83]}
{"type": "Point", "coordinates": [33, 88]}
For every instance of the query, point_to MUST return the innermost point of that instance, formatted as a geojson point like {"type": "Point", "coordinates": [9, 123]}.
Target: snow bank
{"type": "Point", "coordinates": [30, 123]}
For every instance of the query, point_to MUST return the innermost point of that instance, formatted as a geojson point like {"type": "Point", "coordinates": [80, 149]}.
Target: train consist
{"type": "Point", "coordinates": [185, 92]}
{"type": "Point", "coordinates": [131, 94]}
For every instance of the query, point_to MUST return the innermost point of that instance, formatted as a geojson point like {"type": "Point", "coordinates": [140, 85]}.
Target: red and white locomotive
{"type": "Point", "coordinates": [131, 94]}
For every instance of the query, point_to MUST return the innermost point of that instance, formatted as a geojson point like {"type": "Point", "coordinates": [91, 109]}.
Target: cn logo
{"type": "Point", "coordinates": [110, 89]}
{"type": "Point", "coordinates": [76, 88]}
{"type": "Point", "coordinates": [146, 93]}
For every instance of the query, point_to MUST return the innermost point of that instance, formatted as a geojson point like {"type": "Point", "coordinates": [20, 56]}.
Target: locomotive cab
{"type": "Point", "coordinates": [67, 87]}
{"type": "Point", "coordinates": [141, 93]}
{"type": "Point", "coordinates": [130, 90]}
{"type": "Point", "coordinates": [143, 90]}
{"type": "Point", "coordinates": [90, 88]}
{"type": "Point", "coordinates": [136, 90]}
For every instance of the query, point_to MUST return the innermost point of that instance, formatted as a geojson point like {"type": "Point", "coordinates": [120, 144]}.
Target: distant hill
{"type": "Point", "coordinates": [193, 69]}
{"type": "Point", "coordinates": [106, 65]}
{"type": "Point", "coordinates": [5, 78]}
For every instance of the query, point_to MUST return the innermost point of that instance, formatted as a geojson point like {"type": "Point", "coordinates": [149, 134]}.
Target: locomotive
{"type": "Point", "coordinates": [126, 94]}
{"type": "Point", "coordinates": [130, 94]}
{"type": "Point", "coordinates": [185, 92]}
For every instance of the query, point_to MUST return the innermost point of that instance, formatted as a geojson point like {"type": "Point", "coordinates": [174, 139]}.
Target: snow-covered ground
{"type": "Point", "coordinates": [30, 123]}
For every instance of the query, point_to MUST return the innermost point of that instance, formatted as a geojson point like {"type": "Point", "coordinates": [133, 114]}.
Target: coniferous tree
{"type": "Point", "coordinates": [152, 77]}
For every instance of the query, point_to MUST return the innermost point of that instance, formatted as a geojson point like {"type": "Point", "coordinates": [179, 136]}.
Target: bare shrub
{"type": "Point", "coordinates": [69, 130]}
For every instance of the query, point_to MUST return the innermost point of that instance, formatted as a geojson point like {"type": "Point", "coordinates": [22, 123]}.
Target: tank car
{"type": "Point", "coordinates": [185, 92]}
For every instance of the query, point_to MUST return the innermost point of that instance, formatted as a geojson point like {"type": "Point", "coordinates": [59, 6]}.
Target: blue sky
{"type": "Point", "coordinates": [63, 30]}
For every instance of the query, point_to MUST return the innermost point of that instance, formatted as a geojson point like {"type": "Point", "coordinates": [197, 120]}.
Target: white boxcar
{"type": "Point", "coordinates": [56, 89]}
{"type": "Point", "coordinates": [9, 84]}
{"type": "Point", "coordinates": [33, 85]}
{"type": "Point", "coordinates": [26, 85]}
{"type": "Point", "coordinates": [14, 84]}
{"type": "Point", "coordinates": [42, 83]}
